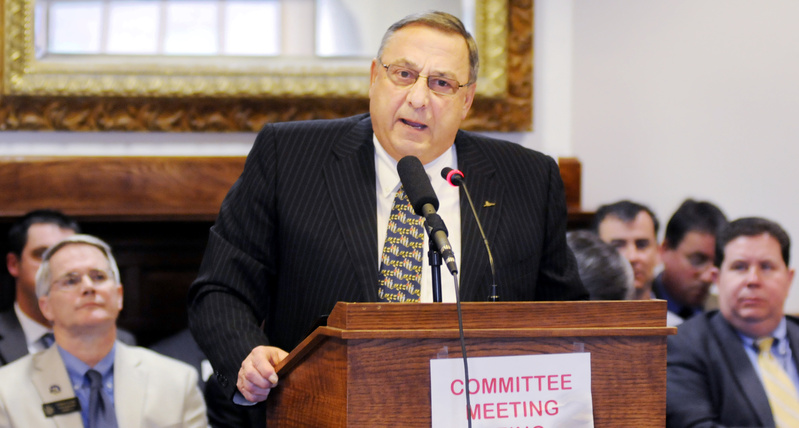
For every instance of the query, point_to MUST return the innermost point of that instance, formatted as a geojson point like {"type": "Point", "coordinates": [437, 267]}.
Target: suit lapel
{"type": "Point", "coordinates": [12, 339]}
{"type": "Point", "coordinates": [351, 183]}
{"type": "Point", "coordinates": [486, 192]}
{"type": "Point", "coordinates": [130, 387]}
{"type": "Point", "coordinates": [52, 383]}
{"type": "Point", "coordinates": [743, 372]}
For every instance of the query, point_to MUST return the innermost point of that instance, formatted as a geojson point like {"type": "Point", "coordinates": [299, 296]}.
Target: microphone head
{"type": "Point", "coordinates": [416, 184]}
{"type": "Point", "coordinates": [453, 176]}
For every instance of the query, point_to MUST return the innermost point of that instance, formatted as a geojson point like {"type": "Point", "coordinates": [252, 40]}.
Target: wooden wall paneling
{"type": "Point", "coordinates": [155, 212]}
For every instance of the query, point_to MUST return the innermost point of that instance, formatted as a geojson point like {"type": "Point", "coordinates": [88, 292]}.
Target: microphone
{"type": "Point", "coordinates": [425, 203]}
{"type": "Point", "coordinates": [453, 176]}
{"type": "Point", "coordinates": [456, 179]}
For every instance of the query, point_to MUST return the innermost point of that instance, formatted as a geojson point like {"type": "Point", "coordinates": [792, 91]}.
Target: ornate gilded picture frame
{"type": "Point", "coordinates": [215, 94]}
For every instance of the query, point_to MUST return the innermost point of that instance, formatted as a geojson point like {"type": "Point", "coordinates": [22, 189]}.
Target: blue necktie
{"type": "Point", "coordinates": [47, 340]}
{"type": "Point", "coordinates": [101, 413]}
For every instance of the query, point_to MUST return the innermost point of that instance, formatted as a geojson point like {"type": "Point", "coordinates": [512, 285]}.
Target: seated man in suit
{"type": "Point", "coordinates": [632, 229]}
{"type": "Point", "coordinates": [306, 224]}
{"type": "Point", "coordinates": [89, 379]}
{"type": "Point", "coordinates": [222, 413]}
{"type": "Point", "coordinates": [737, 367]}
{"type": "Point", "coordinates": [687, 253]}
{"type": "Point", "coordinates": [605, 273]}
{"type": "Point", "coordinates": [24, 329]}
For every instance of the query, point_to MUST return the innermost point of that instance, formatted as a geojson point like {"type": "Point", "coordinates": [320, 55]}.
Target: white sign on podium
{"type": "Point", "coordinates": [528, 391]}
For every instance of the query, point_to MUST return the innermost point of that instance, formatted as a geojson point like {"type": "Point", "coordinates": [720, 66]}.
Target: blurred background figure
{"type": "Point", "coordinates": [89, 378]}
{"type": "Point", "coordinates": [687, 253]}
{"type": "Point", "coordinates": [23, 328]}
{"type": "Point", "coordinates": [604, 271]}
{"type": "Point", "coordinates": [632, 229]}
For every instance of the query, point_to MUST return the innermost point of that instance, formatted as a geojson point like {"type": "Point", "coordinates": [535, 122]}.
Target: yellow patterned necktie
{"type": "Point", "coordinates": [781, 392]}
{"type": "Point", "coordinates": [401, 261]}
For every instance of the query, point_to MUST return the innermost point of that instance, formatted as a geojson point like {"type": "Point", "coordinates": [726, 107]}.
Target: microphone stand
{"type": "Point", "coordinates": [435, 271]}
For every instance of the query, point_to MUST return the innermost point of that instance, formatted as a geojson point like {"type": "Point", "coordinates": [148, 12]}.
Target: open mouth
{"type": "Point", "coordinates": [415, 125]}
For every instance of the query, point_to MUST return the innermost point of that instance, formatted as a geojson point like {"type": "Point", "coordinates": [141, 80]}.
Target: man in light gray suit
{"type": "Point", "coordinates": [89, 379]}
{"type": "Point", "coordinates": [22, 327]}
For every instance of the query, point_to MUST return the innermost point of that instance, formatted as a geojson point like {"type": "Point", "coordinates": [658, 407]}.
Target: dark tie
{"type": "Point", "coordinates": [686, 312]}
{"type": "Point", "coordinates": [101, 414]}
{"type": "Point", "coordinates": [47, 340]}
{"type": "Point", "coordinates": [401, 262]}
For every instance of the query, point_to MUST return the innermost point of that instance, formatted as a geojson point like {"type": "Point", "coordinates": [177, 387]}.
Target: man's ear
{"type": "Point", "coordinates": [373, 75]}
{"type": "Point", "coordinates": [121, 296]}
{"type": "Point", "coordinates": [467, 102]}
{"type": "Point", "coordinates": [44, 306]}
{"type": "Point", "coordinates": [12, 263]}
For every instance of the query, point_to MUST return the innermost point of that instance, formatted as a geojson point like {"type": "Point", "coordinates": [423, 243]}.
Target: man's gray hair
{"type": "Point", "coordinates": [43, 276]}
{"type": "Point", "coordinates": [440, 21]}
{"type": "Point", "coordinates": [605, 273]}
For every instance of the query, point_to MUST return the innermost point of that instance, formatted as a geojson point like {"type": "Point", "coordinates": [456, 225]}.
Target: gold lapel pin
{"type": "Point", "coordinates": [487, 204]}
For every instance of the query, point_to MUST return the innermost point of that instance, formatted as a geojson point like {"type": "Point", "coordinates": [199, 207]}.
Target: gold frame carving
{"type": "Point", "coordinates": [206, 95]}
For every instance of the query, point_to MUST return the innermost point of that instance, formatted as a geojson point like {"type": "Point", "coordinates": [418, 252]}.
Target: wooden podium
{"type": "Point", "coordinates": [370, 366]}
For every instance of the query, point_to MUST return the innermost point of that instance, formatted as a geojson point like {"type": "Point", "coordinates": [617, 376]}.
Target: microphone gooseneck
{"type": "Point", "coordinates": [425, 203]}
{"type": "Point", "coordinates": [455, 178]}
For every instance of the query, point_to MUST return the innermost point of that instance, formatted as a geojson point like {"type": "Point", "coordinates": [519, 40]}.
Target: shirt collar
{"type": "Point", "coordinates": [33, 330]}
{"type": "Point", "coordinates": [77, 369]}
{"type": "Point", "coordinates": [388, 180]}
{"type": "Point", "coordinates": [780, 334]}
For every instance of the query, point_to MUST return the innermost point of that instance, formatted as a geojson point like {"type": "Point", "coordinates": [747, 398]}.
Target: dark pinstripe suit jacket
{"type": "Point", "coordinates": [711, 382]}
{"type": "Point", "coordinates": [298, 232]}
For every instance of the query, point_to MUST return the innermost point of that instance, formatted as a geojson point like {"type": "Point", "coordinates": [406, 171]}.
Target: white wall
{"type": "Point", "coordinates": [660, 100]}
{"type": "Point", "coordinates": [695, 98]}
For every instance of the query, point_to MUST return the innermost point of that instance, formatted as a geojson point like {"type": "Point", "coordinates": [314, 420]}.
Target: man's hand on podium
{"type": "Point", "coordinates": [257, 374]}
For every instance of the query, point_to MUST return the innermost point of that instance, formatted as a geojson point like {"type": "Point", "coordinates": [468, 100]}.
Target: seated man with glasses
{"type": "Point", "coordinates": [687, 253]}
{"type": "Point", "coordinates": [90, 379]}
{"type": "Point", "coordinates": [304, 227]}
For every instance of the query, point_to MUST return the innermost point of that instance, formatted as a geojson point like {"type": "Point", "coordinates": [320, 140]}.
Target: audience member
{"type": "Point", "coordinates": [304, 225]}
{"type": "Point", "coordinates": [222, 413]}
{"type": "Point", "coordinates": [738, 366]}
{"type": "Point", "coordinates": [182, 346]}
{"type": "Point", "coordinates": [687, 253]}
{"type": "Point", "coordinates": [24, 328]}
{"type": "Point", "coordinates": [89, 378]}
{"type": "Point", "coordinates": [605, 273]}
{"type": "Point", "coordinates": [632, 229]}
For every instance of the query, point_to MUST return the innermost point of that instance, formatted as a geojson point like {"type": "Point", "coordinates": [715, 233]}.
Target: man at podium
{"type": "Point", "coordinates": [305, 225]}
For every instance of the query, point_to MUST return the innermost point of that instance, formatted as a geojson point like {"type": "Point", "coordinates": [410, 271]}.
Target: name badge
{"type": "Point", "coordinates": [61, 407]}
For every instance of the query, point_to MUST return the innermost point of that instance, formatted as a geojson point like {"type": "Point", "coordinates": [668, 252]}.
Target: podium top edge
{"type": "Point", "coordinates": [501, 315]}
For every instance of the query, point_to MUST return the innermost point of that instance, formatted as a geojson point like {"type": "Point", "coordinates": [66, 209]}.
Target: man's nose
{"type": "Point", "coordinates": [753, 275]}
{"type": "Point", "coordinates": [419, 93]}
{"type": "Point", "coordinates": [709, 274]}
{"type": "Point", "coordinates": [87, 285]}
{"type": "Point", "coordinates": [632, 253]}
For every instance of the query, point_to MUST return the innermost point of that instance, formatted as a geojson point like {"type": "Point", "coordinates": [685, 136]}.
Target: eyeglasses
{"type": "Point", "coordinates": [403, 77]}
{"type": "Point", "coordinates": [71, 280]}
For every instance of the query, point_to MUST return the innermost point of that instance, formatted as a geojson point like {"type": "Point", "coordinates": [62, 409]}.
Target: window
{"type": "Point", "coordinates": [165, 27]}
{"type": "Point", "coordinates": [300, 28]}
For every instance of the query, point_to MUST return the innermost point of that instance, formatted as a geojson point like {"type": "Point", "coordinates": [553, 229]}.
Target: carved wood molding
{"type": "Point", "coordinates": [512, 112]}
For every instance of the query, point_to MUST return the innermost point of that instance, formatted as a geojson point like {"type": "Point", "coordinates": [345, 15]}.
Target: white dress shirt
{"type": "Point", "coordinates": [32, 329]}
{"type": "Point", "coordinates": [388, 182]}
